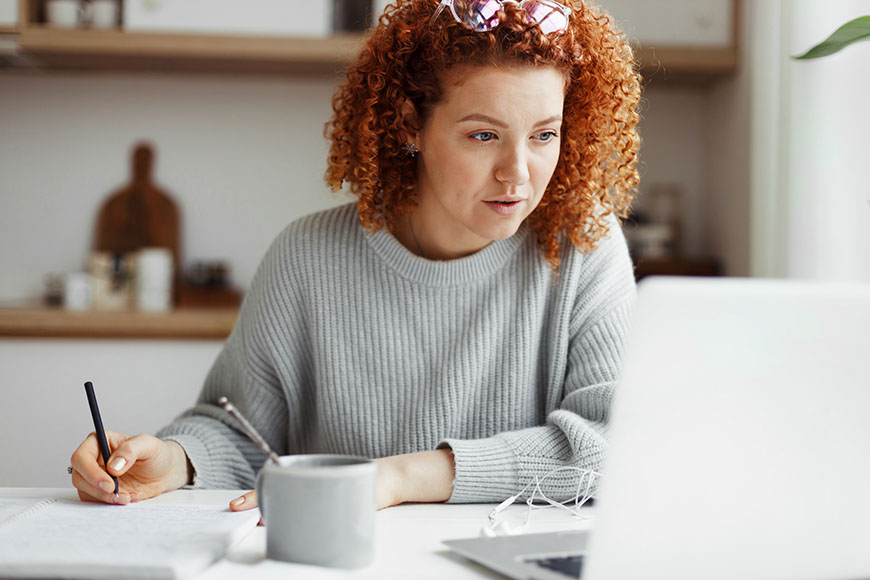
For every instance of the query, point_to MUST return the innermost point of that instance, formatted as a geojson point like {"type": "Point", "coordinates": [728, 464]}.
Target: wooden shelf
{"type": "Point", "coordinates": [701, 266]}
{"type": "Point", "coordinates": [44, 47]}
{"type": "Point", "coordinates": [115, 49]}
{"type": "Point", "coordinates": [213, 324]}
{"type": "Point", "coordinates": [686, 63]}
{"type": "Point", "coordinates": [52, 48]}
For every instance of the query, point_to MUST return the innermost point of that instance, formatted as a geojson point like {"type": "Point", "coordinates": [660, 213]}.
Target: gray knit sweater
{"type": "Point", "coordinates": [349, 343]}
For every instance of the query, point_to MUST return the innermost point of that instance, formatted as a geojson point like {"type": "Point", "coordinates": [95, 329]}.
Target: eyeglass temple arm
{"type": "Point", "coordinates": [441, 7]}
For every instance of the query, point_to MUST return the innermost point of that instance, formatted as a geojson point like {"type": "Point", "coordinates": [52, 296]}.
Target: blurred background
{"type": "Point", "coordinates": [150, 150]}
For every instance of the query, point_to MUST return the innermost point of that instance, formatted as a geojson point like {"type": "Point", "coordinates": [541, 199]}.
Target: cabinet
{"type": "Point", "coordinates": [45, 47]}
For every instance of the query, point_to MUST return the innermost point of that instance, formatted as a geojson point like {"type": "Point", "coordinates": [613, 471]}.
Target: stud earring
{"type": "Point", "coordinates": [410, 149]}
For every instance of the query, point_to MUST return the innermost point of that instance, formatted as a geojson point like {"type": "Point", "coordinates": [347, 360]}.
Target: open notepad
{"type": "Point", "coordinates": [52, 538]}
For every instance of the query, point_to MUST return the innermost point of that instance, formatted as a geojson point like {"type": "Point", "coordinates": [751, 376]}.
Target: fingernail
{"type": "Point", "coordinates": [106, 486]}
{"type": "Point", "coordinates": [238, 501]}
{"type": "Point", "coordinates": [118, 464]}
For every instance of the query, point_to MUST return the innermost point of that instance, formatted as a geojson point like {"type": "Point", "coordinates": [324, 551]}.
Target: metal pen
{"type": "Point", "coordinates": [249, 429]}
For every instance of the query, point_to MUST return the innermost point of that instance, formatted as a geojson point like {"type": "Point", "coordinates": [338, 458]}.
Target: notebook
{"type": "Point", "coordinates": [57, 538]}
{"type": "Point", "coordinates": [739, 440]}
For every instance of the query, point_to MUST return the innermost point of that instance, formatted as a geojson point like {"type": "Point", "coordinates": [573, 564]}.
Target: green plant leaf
{"type": "Point", "coordinates": [852, 31]}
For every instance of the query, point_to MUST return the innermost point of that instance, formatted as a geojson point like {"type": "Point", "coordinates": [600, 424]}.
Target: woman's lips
{"type": "Point", "coordinates": [506, 207]}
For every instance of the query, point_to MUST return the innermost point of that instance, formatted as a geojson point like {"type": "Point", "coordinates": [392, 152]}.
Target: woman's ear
{"type": "Point", "coordinates": [410, 123]}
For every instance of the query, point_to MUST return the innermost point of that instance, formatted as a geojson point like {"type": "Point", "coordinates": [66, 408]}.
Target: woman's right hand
{"type": "Point", "coordinates": [144, 465]}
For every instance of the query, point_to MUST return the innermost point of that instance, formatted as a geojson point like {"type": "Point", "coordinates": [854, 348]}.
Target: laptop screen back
{"type": "Point", "coordinates": [740, 437]}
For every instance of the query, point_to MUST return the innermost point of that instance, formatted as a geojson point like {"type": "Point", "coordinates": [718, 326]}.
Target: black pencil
{"type": "Point", "coordinates": [98, 429]}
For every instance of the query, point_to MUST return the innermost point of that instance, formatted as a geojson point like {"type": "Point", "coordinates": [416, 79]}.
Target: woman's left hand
{"type": "Point", "coordinates": [427, 476]}
{"type": "Point", "coordinates": [388, 484]}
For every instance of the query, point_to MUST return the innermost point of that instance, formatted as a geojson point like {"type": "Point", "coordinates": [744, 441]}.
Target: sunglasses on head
{"type": "Point", "coordinates": [482, 15]}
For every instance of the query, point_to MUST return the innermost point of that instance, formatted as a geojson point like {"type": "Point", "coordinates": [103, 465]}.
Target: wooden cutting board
{"type": "Point", "coordinates": [140, 215]}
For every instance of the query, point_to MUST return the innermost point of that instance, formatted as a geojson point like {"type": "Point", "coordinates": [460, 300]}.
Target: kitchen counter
{"type": "Point", "coordinates": [188, 323]}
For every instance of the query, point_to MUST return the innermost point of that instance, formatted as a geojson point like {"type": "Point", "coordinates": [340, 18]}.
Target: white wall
{"type": "Point", "coordinates": [811, 198]}
{"type": "Point", "coordinates": [827, 147]}
{"type": "Point", "coordinates": [140, 386]}
{"type": "Point", "coordinates": [242, 157]}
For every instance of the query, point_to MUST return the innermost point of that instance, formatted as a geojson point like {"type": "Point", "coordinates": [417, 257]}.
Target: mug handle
{"type": "Point", "coordinates": [261, 497]}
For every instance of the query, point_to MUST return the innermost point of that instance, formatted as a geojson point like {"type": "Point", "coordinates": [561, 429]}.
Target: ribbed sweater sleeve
{"type": "Point", "coordinates": [493, 468]}
{"type": "Point", "coordinates": [348, 343]}
{"type": "Point", "coordinates": [222, 456]}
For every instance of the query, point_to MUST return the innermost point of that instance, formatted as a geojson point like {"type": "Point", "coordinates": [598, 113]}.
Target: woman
{"type": "Point", "coordinates": [463, 321]}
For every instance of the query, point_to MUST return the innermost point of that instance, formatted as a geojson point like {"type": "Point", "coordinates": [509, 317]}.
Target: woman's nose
{"type": "Point", "coordinates": [513, 167]}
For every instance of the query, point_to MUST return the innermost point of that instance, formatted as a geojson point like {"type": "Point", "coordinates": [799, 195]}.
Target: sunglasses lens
{"type": "Point", "coordinates": [482, 15]}
{"type": "Point", "coordinates": [479, 15]}
{"type": "Point", "coordinates": [548, 17]}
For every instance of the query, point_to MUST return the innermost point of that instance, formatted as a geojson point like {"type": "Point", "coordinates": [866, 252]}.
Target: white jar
{"type": "Point", "coordinates": [154, 280]}
{"type": "Point", "coordinates": [65, 13]}
{"type": "Point", "coordinates": [77, 291]}
{"type": "Point", "coordinates": [103, 13]}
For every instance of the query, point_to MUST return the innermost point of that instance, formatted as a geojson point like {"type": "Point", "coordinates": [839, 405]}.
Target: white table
{"type": "Point", "coordinates": [408, 539]}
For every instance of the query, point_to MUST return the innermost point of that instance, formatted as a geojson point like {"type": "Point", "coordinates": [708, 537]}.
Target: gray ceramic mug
{"type": "Point", "coordinates": [319, 509]}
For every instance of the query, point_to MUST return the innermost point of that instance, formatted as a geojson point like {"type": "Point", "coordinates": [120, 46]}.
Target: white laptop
{"type": "Point", "coordinates": [739, 442]}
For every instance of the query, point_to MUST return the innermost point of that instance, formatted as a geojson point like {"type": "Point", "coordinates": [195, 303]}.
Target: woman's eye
{"type": "Point", "coordinates": [483, 136]}
{"type": "Point", "coordinates": [546, 136]}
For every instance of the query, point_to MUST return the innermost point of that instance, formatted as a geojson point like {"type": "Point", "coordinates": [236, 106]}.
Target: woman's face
{"type": "Point", "coordinates": [487, 153]}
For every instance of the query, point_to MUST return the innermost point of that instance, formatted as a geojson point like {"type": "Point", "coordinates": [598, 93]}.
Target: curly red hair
{"type": "Point", "coordinates": [404, 61]}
